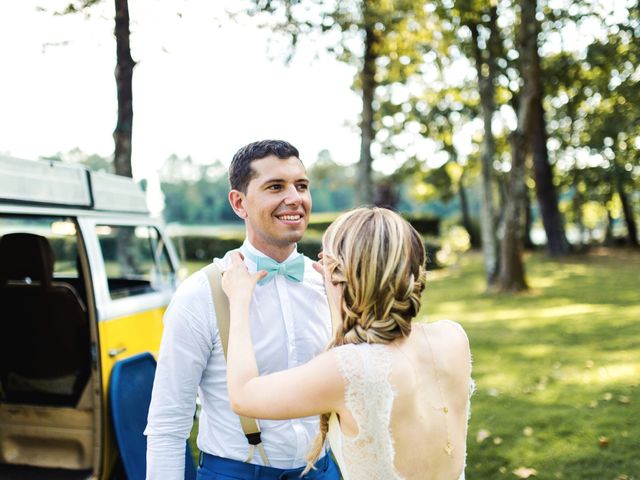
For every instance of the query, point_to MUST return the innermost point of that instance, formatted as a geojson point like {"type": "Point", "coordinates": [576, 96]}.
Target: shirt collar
{"type": "Point", "coordinates": [248, 247]}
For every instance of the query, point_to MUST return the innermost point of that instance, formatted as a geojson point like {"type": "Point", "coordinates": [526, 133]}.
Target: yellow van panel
{"type": "Point", "coordinates": [127, 336]}
{"type": "Point", "coordinates": [124, 336]}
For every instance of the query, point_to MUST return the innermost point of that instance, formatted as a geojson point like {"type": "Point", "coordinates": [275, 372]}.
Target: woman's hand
{"type": "Point", "coordinates": [319, 266]}
{"type": "Point", "coordinates": [237, 282]}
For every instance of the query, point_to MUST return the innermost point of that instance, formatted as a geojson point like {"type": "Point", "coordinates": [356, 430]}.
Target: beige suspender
{"type": "Point", "coordinates": [221, 304]}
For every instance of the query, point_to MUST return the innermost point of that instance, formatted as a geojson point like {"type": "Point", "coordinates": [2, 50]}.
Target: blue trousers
{"type": "Point", "coordinates": [218, 468]}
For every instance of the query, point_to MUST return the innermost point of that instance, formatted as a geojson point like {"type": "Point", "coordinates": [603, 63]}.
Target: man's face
{"type": "Point", "coordinates": [276, 205]}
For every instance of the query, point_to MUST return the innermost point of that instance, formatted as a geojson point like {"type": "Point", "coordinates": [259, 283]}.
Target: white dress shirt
{"type": "Point", "coordinates": [290, 324]}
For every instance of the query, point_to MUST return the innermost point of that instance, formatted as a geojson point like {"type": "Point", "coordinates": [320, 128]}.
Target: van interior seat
{"type": "Point", "coordinates": [44, 327]}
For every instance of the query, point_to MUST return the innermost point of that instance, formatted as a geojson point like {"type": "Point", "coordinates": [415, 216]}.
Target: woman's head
{"type": "Point", "coordinates": [377, 258]}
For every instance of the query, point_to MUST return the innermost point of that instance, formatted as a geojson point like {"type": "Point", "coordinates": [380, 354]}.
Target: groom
{"type": "Point", "coordinates": [290, 324]}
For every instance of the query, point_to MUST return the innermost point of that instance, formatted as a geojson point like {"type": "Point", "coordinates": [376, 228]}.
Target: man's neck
{"type": "Point", "coordinates": [279, 254]}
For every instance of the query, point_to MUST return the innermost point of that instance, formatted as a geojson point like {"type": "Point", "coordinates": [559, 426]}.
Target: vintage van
{"type": "Point", "coordinates": [85, 276]}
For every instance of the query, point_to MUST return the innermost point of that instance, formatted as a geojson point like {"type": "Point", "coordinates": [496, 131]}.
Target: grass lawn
{"type": "Point", "coordinates": [557, 368]}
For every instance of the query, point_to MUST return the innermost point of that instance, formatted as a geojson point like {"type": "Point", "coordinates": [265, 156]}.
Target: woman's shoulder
{"type": "Point", "coordinates": [450, 345]}
{"type": "Point", "coordinates": [346, 352]}
{"type": "Point", "coordinates": [447, 330]}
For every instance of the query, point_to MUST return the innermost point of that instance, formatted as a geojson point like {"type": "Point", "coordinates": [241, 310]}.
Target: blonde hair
{"type": "Point", "coordinates": [379, 258]}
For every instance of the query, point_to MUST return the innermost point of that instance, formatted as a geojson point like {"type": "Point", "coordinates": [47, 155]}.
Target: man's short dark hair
{"type": "Point", "coordinates": [240, 171]}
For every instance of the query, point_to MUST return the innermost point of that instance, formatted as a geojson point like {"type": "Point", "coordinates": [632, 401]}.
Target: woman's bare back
{"type": "Point", "coordinates": [431, 377]}
{"type": "Point", "coordinates": [394, 424]}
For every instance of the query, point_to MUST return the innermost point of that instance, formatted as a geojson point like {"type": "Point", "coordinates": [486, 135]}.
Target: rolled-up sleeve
{"type": "Point", "coordinates": [187, 340]}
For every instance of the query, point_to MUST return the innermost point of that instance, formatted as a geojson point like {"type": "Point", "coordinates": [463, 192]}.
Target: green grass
{"type": "Point", "coordinates": [562, 361]}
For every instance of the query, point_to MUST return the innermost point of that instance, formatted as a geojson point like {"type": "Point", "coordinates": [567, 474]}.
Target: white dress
{"type": "Point", "coordinates": [369, 397]}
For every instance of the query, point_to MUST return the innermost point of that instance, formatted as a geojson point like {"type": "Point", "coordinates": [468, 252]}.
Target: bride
{"type": "Point", "coordinates": [393, 396]}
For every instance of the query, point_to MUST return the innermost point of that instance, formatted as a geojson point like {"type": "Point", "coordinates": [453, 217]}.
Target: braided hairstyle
{"type": "Point", "coordinates": [379, 259]}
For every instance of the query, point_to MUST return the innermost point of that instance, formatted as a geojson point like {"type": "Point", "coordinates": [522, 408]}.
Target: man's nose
{"type": "Point", "coordinates": [293, 196]}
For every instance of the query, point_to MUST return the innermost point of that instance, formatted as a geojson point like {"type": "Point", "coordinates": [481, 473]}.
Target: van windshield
{"type": "Point", "coordinates": [135, 259]}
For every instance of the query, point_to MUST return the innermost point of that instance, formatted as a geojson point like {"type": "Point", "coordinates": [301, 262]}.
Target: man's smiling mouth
{"type": "Point", "coordinates": [290, 217]}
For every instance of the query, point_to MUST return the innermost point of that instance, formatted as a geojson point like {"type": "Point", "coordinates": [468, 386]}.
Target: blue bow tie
{"type": "Point", "coordinates": [292, 269]}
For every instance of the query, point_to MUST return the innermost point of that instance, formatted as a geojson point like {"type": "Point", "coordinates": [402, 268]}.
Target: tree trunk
{"type": "Point", "coordinates": [557, 244]}
{"type": "Point", "coordinates": [512, 274]}
{"type": "Point", "coordinates": [487, 216]}
{"type": "Point", "coordinates": [123, 74]}
{"type": "Point", "coordinates": [466, 216]}
{"type": "Point", "coordinates": [502, 182]}
{"type": "Point", "coordinates": [577, 212]}
{"type": "Point", "coordinates": [608, 234]}
{"type": "Point", "coordinates": [385, 195]}
{"type": "Point", "coordinates": [367, 77]}
{"type": "Point", "coordinates": [528, 221]}
{"type": "Point", "coordinates": [627, 210]}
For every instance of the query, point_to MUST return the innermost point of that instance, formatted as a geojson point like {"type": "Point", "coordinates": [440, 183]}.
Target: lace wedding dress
{"type": "Point", "coordinates": [369, 397]}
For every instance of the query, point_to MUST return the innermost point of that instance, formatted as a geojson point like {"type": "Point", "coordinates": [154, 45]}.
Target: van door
{"type": "Point", "coordinates": [133, 275]}
{"type": "Point", "coordinates": [47, 370]}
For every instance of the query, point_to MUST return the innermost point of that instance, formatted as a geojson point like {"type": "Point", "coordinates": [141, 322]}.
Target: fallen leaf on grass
{"type": "Point", "coordinates": [525, 472]}
{"type": "Point", "coordinates": [482, 435]}
{"type": "Point", "coordinates": [607, 396]}
{"type": "Point", "coordinates": [497, 440]}
{"type": "Point", "coordinates": [603, 441]}
{"type": "Point", "coordinates": [624, 399]}
{"type": "Point", "coordinates": [527, 431]}
{"type": "Point", "coordinates": [623, 476]}
{"type": "Point", "coordinates": [588, 364]}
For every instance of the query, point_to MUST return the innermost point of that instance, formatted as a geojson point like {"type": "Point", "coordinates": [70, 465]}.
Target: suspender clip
{"type": "Point", "coordinates": [253, 438]}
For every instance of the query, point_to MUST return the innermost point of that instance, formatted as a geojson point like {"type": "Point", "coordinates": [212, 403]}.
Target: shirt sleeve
{"type": "Point", "coordinates": [187, 340]}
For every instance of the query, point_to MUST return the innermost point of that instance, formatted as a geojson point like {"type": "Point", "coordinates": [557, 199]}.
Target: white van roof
{"type": "Point", "coordinates": [54, 183]}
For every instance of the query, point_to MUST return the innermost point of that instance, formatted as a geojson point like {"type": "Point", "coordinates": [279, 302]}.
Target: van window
{"type": "Point", "coordinates": [60, 233]}
{"type": "Point", "coordinates": [136, 260]}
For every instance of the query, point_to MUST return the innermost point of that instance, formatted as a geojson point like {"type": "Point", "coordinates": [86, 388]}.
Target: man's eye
{"type": "Point", "coordinates": [274, 187]}
{"type": "Point", "coordinates": [303, 186]}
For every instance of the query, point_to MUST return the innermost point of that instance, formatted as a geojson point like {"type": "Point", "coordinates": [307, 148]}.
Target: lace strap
{"type": "Point", "coordinates": [366, 366]}
{"type": "Point", "coordinates": [349, 364]}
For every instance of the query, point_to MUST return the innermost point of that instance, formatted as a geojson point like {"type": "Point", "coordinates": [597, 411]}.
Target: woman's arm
{"type": "Point", "coordinates": [314, 388]}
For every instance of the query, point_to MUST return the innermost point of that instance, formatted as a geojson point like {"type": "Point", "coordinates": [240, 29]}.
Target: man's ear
{"type": "Point", "coordinates": [237, 199]}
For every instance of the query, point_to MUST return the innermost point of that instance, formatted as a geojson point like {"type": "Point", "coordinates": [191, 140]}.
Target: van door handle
{"type": "Point", "coordinates": [114, 352]}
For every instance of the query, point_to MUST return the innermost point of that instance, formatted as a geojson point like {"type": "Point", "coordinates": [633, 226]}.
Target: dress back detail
{"type": "Point", "coordinates": [369, 397]}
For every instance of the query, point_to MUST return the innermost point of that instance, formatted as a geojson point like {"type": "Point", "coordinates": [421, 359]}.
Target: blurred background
{"type": "Point", "coordinates": [506, 131]}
